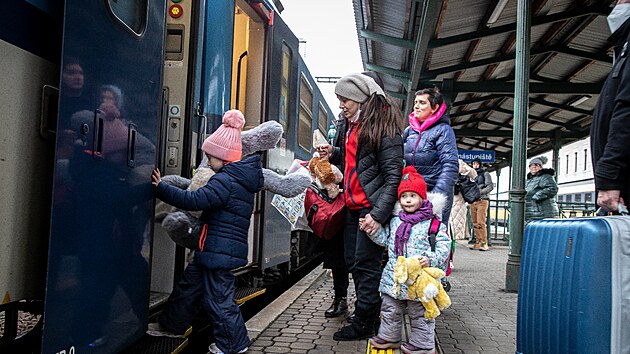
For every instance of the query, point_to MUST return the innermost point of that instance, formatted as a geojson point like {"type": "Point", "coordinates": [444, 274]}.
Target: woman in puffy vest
{"type": "Point", "coordinates": [541, 191]}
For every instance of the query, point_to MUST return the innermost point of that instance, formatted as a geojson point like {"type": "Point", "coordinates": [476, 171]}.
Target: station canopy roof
{"type": "Point", "coordinates": [467, 48]}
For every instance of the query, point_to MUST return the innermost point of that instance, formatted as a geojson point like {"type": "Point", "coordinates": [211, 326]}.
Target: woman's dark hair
{"type": "Point", "coordinates": [380, 118]}
{"type": "Point", "coordinates": [435, 96]}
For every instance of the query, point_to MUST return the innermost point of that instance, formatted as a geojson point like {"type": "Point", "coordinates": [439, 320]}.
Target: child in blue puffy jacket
{"type": "Point", "coordinates": [227, 202]}
{"type": "Point", "coordinates": [408, 235]}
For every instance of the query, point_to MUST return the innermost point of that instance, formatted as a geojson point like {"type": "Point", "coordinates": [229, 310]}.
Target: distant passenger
{"type": "Point", "coordinates": [541, 191]}
{"type": "Point", "coordinates": [610, 130]}
{"type": "Point", "coordinates": [479, 208]}
{"type": "Point", "coordinates": [227, 202]}
{"type": "Point", "coordinates": [369, 145]}
{"type": "Point", "coordinates": [407, 235]}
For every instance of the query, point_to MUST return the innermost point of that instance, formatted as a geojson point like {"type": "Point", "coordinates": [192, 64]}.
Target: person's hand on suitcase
{"type": "Point", "coordinates": [609, 200]}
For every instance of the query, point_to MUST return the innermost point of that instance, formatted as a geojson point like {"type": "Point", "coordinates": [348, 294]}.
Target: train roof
{"type": "Point", "coordinates": [467, 47]}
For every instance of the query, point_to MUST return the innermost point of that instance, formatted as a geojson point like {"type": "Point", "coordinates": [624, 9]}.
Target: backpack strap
{"type": "Point", "coordinates": [433, 230]}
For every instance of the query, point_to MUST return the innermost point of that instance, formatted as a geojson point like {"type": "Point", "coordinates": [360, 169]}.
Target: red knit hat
{"type": "Point", "coordinates": [225, 142]}
{"type": "Point", "coordinates": [412, 181]}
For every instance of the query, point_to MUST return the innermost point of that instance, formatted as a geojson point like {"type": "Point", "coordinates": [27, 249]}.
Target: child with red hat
{"type": "Point", "coordinates": [408, 235]}
{"type": "Point", "coordinates": [227, 202]}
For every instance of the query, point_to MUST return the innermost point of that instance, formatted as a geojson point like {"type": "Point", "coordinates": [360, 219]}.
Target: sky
{"type": "Point", "coordinates": [332, 46]}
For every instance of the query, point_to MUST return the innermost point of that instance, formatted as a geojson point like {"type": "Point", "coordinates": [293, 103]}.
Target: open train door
{"type": "Point", "coordinates": [110, 104]}
{"type": "Point", "coordinates": [282, 106]}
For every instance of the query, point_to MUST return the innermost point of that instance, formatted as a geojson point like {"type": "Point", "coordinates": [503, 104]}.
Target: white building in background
{"type": "Point", "coordinates": [575, 174]}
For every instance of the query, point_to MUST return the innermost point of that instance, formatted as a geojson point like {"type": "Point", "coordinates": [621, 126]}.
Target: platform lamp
{"type": "Point", "coordinates": [498, 9]}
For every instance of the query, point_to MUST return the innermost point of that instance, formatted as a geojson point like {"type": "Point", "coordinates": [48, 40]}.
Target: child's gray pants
{"type": "Point", "coordinates": [422, 331]}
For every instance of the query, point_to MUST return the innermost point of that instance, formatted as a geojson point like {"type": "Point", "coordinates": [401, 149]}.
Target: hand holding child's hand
{"type": "Point", "coordinates": [370, 226]}
{"type": "Point", "coordinates": [361, 222]}
{"type": "Point", "coordinates": [424, 262]}
{"type": "Point", "coordinates": [155, 177]}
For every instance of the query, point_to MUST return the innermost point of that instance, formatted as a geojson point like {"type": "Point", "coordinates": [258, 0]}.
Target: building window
{"type": "Point", "coordinates": [567, 166]}
{"type": "Point", "coordinates": [585, 159]}
{"type": "Point", "coordinates": [576, 161]}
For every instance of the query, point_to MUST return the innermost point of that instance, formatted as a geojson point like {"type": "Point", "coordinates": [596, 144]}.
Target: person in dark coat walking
{"type": "Point", "coordinates": [227, 202]}
{"type": "Point", "coordinates": [541, 191]}
{"type": "Point", "coordinates": [369, 144]}
{"type": "Point", "coordinates": [610, 130]}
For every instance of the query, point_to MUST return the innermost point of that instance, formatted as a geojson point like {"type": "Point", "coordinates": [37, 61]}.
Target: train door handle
{"type": "Point", "coordinates": [131, 145]}
{"type": "Point", "coordinates": [97, 148]}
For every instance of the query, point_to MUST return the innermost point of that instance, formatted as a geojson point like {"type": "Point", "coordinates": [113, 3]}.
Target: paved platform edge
{"type": "Point", "coordinates": [257, 324]}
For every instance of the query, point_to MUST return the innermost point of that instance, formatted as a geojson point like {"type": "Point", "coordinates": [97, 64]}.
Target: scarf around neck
{"type": "Point", "coordinates": [419, 127]}
{"type": "Point", "coordinates": [424, 212]}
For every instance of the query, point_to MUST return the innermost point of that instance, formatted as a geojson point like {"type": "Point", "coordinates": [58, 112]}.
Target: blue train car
{"type": "Point", "coordinates": [105, 92]}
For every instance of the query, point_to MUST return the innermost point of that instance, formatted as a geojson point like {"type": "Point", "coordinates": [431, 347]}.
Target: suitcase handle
{"type": "Point", "coordinates": [621, 209]}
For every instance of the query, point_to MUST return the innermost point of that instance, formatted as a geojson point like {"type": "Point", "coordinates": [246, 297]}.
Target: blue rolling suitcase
{"type": "Point", "coordinates": [574, 290]}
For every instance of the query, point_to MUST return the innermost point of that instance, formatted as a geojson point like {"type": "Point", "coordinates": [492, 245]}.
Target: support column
{"type": "Point", "coordinates": [519, 153]}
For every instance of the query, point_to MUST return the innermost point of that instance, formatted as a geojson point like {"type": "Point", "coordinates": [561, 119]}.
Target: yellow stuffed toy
{"type": "Point", "coordinates": [422, 284]}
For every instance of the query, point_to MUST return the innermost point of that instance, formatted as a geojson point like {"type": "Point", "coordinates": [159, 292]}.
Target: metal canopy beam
{"type": "Point", "coordinates": [399, 74]}
{"type": "Point", "coordinates": [430, 74]}
{"type": "Point", "coordinates": [532, 134]}
{"type": "Point", "coordinates": [536, 21]}
{"type": "Point", "coordinates": [429, 15]}
{"type": "Point", "coordinates": [475, 100]}
{"type": "Point", "coordinates": [377, 37]}
{"type": "Point", "coordinates": [506, 87]}
{"type": "Point", "coordinates": [563, 107]}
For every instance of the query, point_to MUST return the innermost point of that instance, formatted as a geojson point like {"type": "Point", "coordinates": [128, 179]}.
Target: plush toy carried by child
{"type": "Point", "coordinates": [184, 227]}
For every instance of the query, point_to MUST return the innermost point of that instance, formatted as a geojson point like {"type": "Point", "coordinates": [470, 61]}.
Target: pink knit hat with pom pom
{"type": "Point", "coordinates": [225, 142]}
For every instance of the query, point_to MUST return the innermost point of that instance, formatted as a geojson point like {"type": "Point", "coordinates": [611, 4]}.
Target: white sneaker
{"type": "Point", "coordinates": [156, 330]}
{"type": "Point", "coordinates": [213, 349]}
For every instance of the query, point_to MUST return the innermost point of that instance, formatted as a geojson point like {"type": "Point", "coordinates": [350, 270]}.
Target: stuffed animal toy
{"type": "Point", "coordinates": [184, 227]}
{"type": "Point", "coordinates": [423, 284]}
{"type": "Point", "coordinates": [326, 175]}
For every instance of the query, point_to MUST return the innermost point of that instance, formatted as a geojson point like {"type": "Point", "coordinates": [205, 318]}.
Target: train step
{"type": "Point", "coordinates": [152, 345]}
{"type": "Point", "coordinates": [246, 293]}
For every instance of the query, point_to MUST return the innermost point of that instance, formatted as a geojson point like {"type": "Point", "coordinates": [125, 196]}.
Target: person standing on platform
{"type": "Point", "coordinates": [610, 130]}
{"type": "Point", "coordinates": [369, 144]}
{"type": "Point", "coordinates": [479, 209]}
{"type": "Point", "coordinates": [541, 191]}
{"type": "Point", "coordinates": [408, 235]}
{"type": "Point", "coordinates": [430, 146]}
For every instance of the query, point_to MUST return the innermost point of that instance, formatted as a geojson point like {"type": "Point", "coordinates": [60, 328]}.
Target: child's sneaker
{"type": "Point", "coordinates": [156, 330]}
{"type": "Point", "coordinates": [380, 343]}
{"type": "Point", "coordinates": [483, 246]}
{"type": "Point", "coordinates": [213, 349]}
{"type": "Point", "coordinates": [409, 348]}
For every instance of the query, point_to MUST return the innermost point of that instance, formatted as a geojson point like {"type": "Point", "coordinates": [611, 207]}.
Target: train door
{"type": "Point", "coordinates": [110, 104]}
{"type": "Point", "coordinates": [281, 105]}
{"type": "Point", "coordinates": [247, 89]}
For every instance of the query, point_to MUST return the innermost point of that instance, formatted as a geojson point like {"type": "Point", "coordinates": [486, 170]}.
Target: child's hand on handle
{"type": "Point", "coordinates": [324, 150]}
{"type": "Point", "coordinates": [155, 177]}
{"type": "Point", "coordinates": [424, 262]}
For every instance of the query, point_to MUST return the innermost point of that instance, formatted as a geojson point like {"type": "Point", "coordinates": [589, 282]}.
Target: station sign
{"type": "Point", "coordinates": [486, 156]}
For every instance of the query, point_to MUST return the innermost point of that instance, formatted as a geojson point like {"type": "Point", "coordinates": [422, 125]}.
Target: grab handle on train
{"type": "Point", "coordinates": [97, 148]}
{"type": "Point", "coordinates": [131, 145]}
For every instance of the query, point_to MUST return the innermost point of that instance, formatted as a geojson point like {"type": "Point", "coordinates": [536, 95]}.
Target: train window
{"type": "Point", "coordinates": [322, 119]}
{"type": "Point", "coordinates": [305, 126]}
{"type": "Point", "coordinates": [131, 14]}
{"type": "Point", "coordinates": [577, 197]}
{"type": "Point", "coordinates": [284, 89]}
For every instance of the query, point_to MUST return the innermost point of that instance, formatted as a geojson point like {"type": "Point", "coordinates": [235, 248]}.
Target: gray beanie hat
{"type": "Point", "coordinates": [538, 161]}
{"type": "Point", "coordinates": [357, 87]}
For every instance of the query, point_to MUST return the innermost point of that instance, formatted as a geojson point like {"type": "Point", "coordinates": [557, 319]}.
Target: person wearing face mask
{"type": "Point", "coordinates": [610, 130]}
